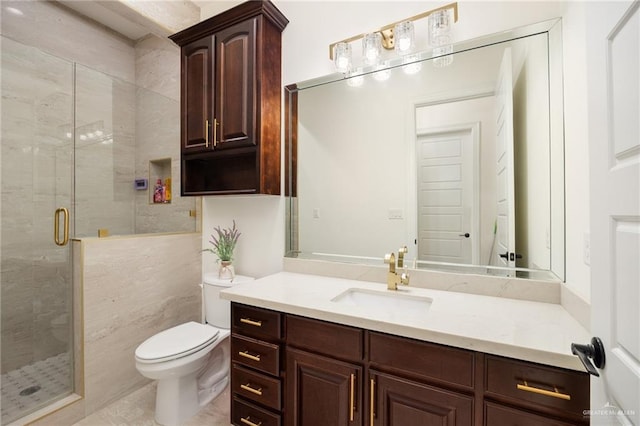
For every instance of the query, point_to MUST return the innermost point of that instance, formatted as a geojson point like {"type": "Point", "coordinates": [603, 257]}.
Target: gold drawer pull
{"type": "Point", "coordinates": [248, 421]}
{"type": "Point", "coordinates": [554, 394]}
{"type": "Point", "coordinates": [251, 322]}
{"type": "Point", "coordinates": [206, 133]}
{"type": "Point", "coordinates": [351, 396]}
{"type": "Point", "coordinates": [372, 400]}
{"type": "Point", "coordinates": [246, 354]}
{"type": "Point", "coordinates": [248, 388]}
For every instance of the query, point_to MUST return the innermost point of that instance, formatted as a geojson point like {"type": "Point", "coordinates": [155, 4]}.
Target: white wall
{"type": "Point", "coordinates": [314, 25]}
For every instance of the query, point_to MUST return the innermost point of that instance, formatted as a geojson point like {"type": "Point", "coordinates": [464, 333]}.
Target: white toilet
{"type": "Point", "coordinates": [190, 361]}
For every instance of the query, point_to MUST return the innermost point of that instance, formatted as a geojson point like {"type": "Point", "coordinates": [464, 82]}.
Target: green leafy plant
{"type": "Point", "coordinates": [224, 243]}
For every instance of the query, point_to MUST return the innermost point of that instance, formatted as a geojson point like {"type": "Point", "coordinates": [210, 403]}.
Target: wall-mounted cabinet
{"type": "Point", "coordinates": [231, 102]}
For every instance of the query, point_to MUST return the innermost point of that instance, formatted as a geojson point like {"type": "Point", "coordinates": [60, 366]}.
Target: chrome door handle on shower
{"type": "Point", "coordinates": [56, 227]}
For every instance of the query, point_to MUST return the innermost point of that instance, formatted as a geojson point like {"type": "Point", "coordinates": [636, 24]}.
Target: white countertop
{"type": "Point", "coordinates": [532, 331]}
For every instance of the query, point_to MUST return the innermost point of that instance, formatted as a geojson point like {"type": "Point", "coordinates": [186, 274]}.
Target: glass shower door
{"type": "Point", "coordinates": [35, 277]}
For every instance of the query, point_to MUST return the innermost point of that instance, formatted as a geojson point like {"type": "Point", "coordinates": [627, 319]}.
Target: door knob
{"type": "Point", "coordinates": [466, 235]}
{"type": "Point", "coordinates": [589, 352]}
{"type": "Point", "coordinates": [511, 256]}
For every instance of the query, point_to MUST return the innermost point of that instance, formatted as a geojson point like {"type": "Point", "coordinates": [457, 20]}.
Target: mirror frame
{"type": "Point", "coordinates": [557, 270]}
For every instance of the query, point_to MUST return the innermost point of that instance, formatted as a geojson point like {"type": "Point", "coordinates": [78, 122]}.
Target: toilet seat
{"type": "Point", "coordinates": [176, 342]}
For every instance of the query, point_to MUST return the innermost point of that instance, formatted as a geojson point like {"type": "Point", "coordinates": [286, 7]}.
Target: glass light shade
{"type": "Point", "coordinates": [372, 48]}
{"type": "Point", "coordinates": [439, 25]}
{"type": "Point", "coordinates": [442, 56]}
{"type": "Point", "coordinates": [342, 57]}
{"type": "Point", "coordinates": [383, 72]}
{"type": "Point", "coordinates": [411, 64]}
{"type": "Point", "coordinates": [403, 34]}
{"type": "Point", "coordinates": [356, 79]}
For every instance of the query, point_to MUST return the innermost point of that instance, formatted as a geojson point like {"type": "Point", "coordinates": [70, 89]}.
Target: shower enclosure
{"type": "Point", "coordinates": [74, 140]}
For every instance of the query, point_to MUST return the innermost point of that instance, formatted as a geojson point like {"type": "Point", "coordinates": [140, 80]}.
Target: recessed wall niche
{"type": "Point", "coordinates": [160, 190]}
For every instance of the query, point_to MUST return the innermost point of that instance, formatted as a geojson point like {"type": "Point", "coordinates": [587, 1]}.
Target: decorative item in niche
{"type": "Point", "coordinates": [223, 245]}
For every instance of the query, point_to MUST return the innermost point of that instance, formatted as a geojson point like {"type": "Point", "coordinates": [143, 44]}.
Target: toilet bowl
{"type": "Point", "coordinates": [190, 361]}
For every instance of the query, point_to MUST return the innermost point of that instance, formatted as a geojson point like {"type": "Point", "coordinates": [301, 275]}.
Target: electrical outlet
{"type": "Point", "coordinates": [395, 214]}
{"type": "Point", "coordinates": [586, 248]}
{"type": "Point", "coordinates": [316, 213]}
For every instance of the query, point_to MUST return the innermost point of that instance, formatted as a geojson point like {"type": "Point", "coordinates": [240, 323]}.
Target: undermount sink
{"type": "Point", "coordinates": [397, 302]}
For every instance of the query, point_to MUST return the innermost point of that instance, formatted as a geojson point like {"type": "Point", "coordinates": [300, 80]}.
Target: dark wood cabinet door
{"type": "Point", "coordinates": [197, 87]}
{"type": "Point", "coordinates": [401, 402]}
{"type": "Point", "coordinates": [235, 86]}
{"type": "Point", "coordinates": [321, 391]}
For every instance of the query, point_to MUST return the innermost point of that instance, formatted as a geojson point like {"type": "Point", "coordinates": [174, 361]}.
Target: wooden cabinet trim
{"type": "Point", "coordinates": [240, 13]}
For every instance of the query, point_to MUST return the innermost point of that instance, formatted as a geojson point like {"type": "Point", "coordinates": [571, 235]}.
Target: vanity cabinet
{"type": "Point", "coordinates": [332, 374]}
{"type": "Point", "coordinates": [324, 375]}
{"type": "Point", "coordinates": [256, 372]}
{"type": "Point", "coordinates": [230, 101]}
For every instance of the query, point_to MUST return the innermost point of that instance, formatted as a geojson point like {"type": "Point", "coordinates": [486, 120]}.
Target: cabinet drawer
{"type": "Point", "coordinates": [438, 363]}
{"type": "Point", "coordinates": [500, 415]}
{"type": "Point", "coordinates": [256, 322]}
{"type": "Point", "coordinates": [256, 354]}
{"type": "Point", "coordinates": [553, 390]}
{"type": "Point", "coordinates": [257, 387]}
{"type": "Point", "coordinates": [245, 414]}
{"type": "Point", "coordinates": [338, 341]}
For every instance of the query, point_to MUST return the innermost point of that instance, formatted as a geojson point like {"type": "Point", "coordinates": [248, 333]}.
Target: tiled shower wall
{"type": "Point", "coordinates": [132, 90]}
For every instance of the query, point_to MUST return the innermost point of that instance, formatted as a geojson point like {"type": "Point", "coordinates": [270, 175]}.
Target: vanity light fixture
{"type": "Point", "coordinates": [397, 35]}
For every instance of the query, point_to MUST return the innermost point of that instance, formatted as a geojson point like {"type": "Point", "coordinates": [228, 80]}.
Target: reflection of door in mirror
{"type": "Point", "coordinates": [506, 228]}
{"type": "Point", "coordinates": [446, 208]}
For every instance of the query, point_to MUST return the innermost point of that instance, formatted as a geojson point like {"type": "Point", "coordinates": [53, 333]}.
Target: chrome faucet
{"type": "Point", "coordinates": [393, 278]}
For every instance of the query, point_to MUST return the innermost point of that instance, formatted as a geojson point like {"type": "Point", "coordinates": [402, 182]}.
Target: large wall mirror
{"type": "Point", "coordinates": [459, 158]}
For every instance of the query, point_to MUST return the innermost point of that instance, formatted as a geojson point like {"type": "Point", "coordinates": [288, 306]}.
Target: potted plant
{"type": "Point", "coordinates": [224, 242]}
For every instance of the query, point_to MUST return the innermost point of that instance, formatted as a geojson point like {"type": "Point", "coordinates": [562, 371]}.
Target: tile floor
{"type": "Point", "coordinates": [137, 408]}
{"type": "Point", "coordinates": [34, 386]}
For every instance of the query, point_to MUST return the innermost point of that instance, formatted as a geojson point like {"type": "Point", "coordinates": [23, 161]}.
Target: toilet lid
{"type": "Point", "coordinates": [176, 342]}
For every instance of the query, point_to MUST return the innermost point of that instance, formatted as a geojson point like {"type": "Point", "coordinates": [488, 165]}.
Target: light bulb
{"type": "Point", "coordinates": [403, 34]}
{"type": "Point", "coordinates": [372, 48]}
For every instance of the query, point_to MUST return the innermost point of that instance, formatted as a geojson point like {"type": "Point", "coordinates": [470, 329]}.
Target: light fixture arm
{"type": "Point", "coordinates": [387, 30]}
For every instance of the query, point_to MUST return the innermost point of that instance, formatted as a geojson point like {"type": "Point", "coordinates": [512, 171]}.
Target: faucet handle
{"type": "Point", "coordinates": [401, 252]}
{"type": "Point", "coordinates": [404, 279]}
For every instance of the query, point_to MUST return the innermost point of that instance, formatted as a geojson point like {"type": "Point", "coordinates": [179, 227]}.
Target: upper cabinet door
{"type": "Point", "coordinates": [235, 86]}
{"type": "Point", "coordinates": [197, 105]}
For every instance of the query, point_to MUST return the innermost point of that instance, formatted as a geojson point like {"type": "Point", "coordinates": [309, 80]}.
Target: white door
{"type": "Point", "coordinates": [505, 246]}
{"type": "Point", "coordinates": [613, 70]}
{"type": "Point", "coordinates": [446, 205]}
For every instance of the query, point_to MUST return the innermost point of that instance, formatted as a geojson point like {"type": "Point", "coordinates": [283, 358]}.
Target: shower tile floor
{"type": "Point", "coordinates": [32, 386]}
{"type": "Point", "coordinates": [136, 409]}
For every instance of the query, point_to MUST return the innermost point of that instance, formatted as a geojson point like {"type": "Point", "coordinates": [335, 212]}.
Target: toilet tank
{"type": "Point", "coordinates": [218, 311]}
